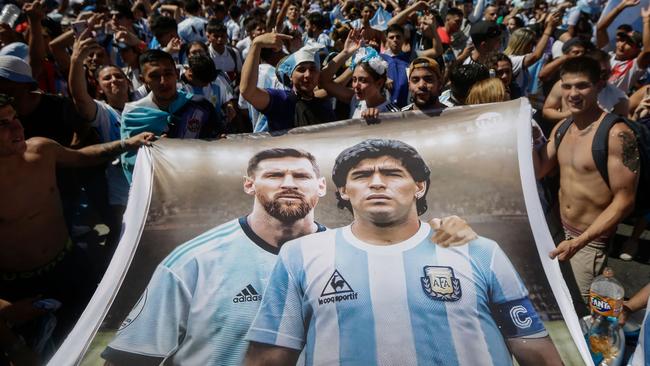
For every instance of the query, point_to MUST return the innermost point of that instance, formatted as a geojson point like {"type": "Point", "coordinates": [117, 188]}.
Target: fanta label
{"type": "Point", "coordinates": [605, 306]}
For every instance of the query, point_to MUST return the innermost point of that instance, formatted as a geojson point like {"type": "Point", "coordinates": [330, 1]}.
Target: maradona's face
{"type": "Point", "coordinates": [381, 190]}
{"type": "Point", "coordinates": [288, 188]}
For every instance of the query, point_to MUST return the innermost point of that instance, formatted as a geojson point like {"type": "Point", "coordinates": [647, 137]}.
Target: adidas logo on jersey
{"type": "Point", "coordinates": [247, 294]}
{"type": "Point", "coordinates": [337, 289]}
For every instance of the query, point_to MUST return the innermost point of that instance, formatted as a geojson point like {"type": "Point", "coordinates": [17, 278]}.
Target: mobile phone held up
{"type": "Point", "coordinates": [79, 27]}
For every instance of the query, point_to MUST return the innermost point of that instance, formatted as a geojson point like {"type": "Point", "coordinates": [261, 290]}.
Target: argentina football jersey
{"type": "Point", "coordinates": [412, 303]}
{"type": "Point", "coordinates": [200, 301]}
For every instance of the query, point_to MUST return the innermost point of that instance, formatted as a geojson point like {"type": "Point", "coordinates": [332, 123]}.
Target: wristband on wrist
{"type": "Point", "coordinates": [142, 46]}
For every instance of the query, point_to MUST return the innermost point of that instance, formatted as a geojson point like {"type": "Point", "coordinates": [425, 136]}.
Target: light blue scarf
{"type": "Point", "coordinates": [146, 119]}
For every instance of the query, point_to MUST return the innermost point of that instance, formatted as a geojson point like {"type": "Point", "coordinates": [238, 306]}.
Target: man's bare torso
{"type": "Point", "coordinates": [32, 226]}
{"type": "Point", "coordinates": [583, 192]}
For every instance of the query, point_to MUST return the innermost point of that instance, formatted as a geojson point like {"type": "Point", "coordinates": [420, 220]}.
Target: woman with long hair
{"type": "Point", "coordinates": [367, 96]}
{"type": "Point", "coordinates": [490, 90]}
{"type": "Point", "coordinates": [521, 52]}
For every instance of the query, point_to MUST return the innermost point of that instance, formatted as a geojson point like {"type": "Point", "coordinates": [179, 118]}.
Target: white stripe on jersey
{"type": "Point", "coordinates": [327, 322]}
{"type": "Point", "coordinates": [474, 346]}
{"type": "Point", "coordinates": [399, 321]}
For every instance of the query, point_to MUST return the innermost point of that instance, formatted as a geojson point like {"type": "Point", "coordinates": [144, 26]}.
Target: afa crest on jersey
{"type": "Point", "coordinates": [440, 284]}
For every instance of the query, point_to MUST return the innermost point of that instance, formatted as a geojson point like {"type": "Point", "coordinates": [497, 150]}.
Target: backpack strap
{"type": "Point", "coordinates": [561, 131]}
{"type": "Point", "coordinates": [600, 144]}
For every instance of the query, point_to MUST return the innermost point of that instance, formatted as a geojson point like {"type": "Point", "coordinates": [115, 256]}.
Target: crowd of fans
{"type": "Point", "coordinates": [117, 73]}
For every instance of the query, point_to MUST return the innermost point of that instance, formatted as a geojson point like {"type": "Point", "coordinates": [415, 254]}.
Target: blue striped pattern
{"type": "Point", "coordinates": [346, 331]}
{"type": "Point", "coordinates": [219, 231]}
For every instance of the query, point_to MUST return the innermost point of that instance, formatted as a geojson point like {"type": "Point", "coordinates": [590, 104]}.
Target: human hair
{"type": "Point", "coordinates": [215, 26]}
{"type": "Point", "coordinates": [340, 31]}
{"type": "Point", "coordinates": [124, 11]}
{"type": "Point", "coordinates": [219, 8]}
{"type": "Point", "coordinates": [518, 22]}
{"type": "Point", "coordinates": [154, 56]}
{"type": "Point", "coordinates": [490, 90]}
{"type": "Point", "coordinates": [584, 65]}
{"type": "Point", "coordinates": [375, 148]}
{"type": "Point", "coordinates": [520, 41]}
{"type": "Point", "coordinates": [192, 6]}
{"type": "Point", "coordinates": [395, 28]}
{"type": "Point", "coordinates": [462, 77]}
{"type": "Point", "coordinates": [196, 43]}
{"type": "Point", "coordinates": [278, 153]}
{"type": "Point", "coordinates": [316, 19]}
{"type": "Point", "coordinates": [102, 67]}
{"type": "Point", "coordinates": [202, 68]}
{"type": "Point", "coordinates": [598, 55]}
{"type": "Point", "coordinates": [494, 58]}
{"type": "Point", "coordinates": [454, 12]}
{"type": "Point", "coordinates": [234, 11]}
{"type": "Point", "coordinates": [251, 24]}
{"type": "Point", "coordinates": [162, 25]}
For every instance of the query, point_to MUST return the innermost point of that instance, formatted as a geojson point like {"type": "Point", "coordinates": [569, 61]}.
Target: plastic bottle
{"type": "Point", "coordinates": [606, 303]}
{"type": "Point", "coordinates": [9, 15]}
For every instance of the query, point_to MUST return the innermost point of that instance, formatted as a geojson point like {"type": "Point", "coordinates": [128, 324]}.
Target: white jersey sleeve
{"type": "Point", "coordinates": [511, 308]}
{"type": "Point", "coordinates": [280, 320]}
{"type": "Point", "coordinates": [157, 323]}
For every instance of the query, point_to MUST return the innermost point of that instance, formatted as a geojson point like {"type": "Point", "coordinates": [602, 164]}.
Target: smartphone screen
{"type": "Point", "coordinates": [79, 27]}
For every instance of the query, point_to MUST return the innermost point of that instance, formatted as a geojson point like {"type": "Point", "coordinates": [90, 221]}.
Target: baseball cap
{"type": "Point", "coordinates": [425, 62]}
{"type": "Point", "coordinates": [15, 69]}
{"type": "Point", "coordinates": [483, 30]}
{"type": "Point", "coordinates": [18, 49]}
{"type": "Point", "coordinates": [634, 38]}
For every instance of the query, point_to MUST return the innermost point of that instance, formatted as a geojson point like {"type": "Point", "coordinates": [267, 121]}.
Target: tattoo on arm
{"type": "Point", "coordinates": [104, 151]}
{"type": "Point", "coordinates": [630, 151]}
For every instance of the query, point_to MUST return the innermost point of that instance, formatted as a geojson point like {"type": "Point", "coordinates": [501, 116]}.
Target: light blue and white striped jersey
{"type": "Point", "coordinates": [412, 303]}
{"type": "Point", "coordinates": [200, 301]}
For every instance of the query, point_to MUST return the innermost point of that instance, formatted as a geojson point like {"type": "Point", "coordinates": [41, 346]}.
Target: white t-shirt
{"type": "Point", "coordinates": [624, 73]}
{"type": "Point", "coordinates": [520, 72]}
{"type": "Point", "coordinates": [228, 61]}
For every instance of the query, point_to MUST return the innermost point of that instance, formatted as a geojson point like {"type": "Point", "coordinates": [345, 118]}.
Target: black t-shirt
{"type": "Point", "coordinates": [54, 118]}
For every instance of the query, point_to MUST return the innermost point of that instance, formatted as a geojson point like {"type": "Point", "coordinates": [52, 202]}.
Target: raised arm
{"type": "Point", "coordinates": [83, 102]}
{"type": "Point", "coordinates": [281, 15]}
{"type": "Point", "coordinates": [405, 14]}
{"type": "Point", "coordinates": [602, 38]}
{"type": "Point", "coordinates": [257, 97]}
{"type": "Point", "coordinates": [260, 354]}
{"type": "Point", "coordinates": [623, 168]}
{"type": "Point", "coordinates": [429, 30]}
{"type": "Point", "coordinates": [326, 80]}
{"type": "Point", "coordinates": [477, 13]}
{"type": "Point", "coordinates": [643, 60]}
{"type": "Point", "coordinates": [552, 110]}
{"type": "Point", "coordinates": [553, 21]}
{"type": "Point", "coordinates": [37, 50]}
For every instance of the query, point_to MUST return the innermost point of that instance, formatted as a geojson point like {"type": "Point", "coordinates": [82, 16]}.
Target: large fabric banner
{"type": "Point", "coordinates": [189, 274]}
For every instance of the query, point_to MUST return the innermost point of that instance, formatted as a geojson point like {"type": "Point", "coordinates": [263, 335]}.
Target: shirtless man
{"type": "Point", "coordinates": [610, 98]}
{"type": "Point", "coordinates": [37, 255]}
{"type": "Point", "coordinates": [589, 208]}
